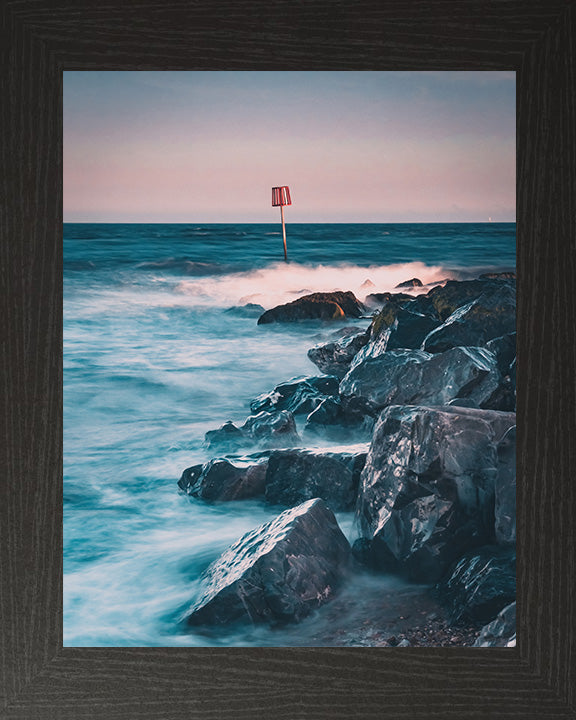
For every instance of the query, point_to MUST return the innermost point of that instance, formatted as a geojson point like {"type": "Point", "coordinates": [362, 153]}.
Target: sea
{"type": "Point", "coordinates": [156, 353]}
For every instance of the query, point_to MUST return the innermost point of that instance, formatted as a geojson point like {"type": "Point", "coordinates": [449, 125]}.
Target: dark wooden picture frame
{"type": "Point", "coordinates": [40, 679]}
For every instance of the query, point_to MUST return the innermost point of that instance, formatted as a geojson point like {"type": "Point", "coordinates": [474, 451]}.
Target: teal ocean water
{"type": "Point", "coordinates": [152, 360]}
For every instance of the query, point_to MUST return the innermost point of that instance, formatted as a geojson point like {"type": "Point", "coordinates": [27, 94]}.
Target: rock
{"type": "Point", "coordinates": [228, 435]}
{"type": "Point", "coordinates": [414, 282]}
{"type": "Point", "coordinates": [294, 476]}
{"type": "Point", "coordinates": [250, 310]}
{"type": "Point", "coordinates": [480, 585]}
{"type": "Point", "coordinates": [413, 377]}
{"type": "Point", "coordinates": [504, 349]}
{"type": "Point", "coordinates": [501, 632]}
{"type": "Point", "coordinates": [268, 429]}
{"type": "Point", "coordinates": [505, 507]}
{"type": "Point", "coordinates": [375, 300]}
{"type": "Point", "coordinates": [404, 643]}
{"type": "Point", "coordinates": [443, 300]}
{"type": "Point", "coordinates": [324, 306]}
{"type": "Point", "coordinates": [343, 418]}
{"type": "Point", "coordinates": [277, 573]}
{"type": "Point", "coordinates": [299, 395]}
{"type": "Point", "coordinates": [221, 479]}
{"type": "Point", "coordinates": [498, 276]}
{"type": "Point", "coordinates": [410, 329]}
{"type": "Point", "coordinates": [491, 315]}
{"type": "Point", "coordinates": [275, 429]}
{"type": "Point", "coordinates": [427, 489]}
{"type": "Point", "coordinates": [334, 358]}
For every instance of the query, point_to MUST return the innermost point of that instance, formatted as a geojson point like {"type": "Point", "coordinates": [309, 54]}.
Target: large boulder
{"type": "Point", "coordinates": [409, 329]}
{"type": "Point", "coordinates": [504, 349]}
{"type": "Point", "coordinates": [222, 479]}
{"type": "Point", "coordinates": [480, 585]}
{"type": "Point", "coordinates": [505, 508]}
{"type": "Point", "coordinates": [443, 300]}
{"type": "Point", "coordinates": [342, 418]}
{"type": "Point", "coordinates": [491, 315]}
{"type": "Point", "coordinates": [277, 573]}
{"type": "Point", "coordinates": [416, 377]}
{"type": "Point", "coordinates": [323, 306]}
{"type": "Point", "coordinates": [294, 476]}
{"type": "Point", "coordinates": [265, 429]}
{"type": "Point", "coordinates": [299, 395]}
{"type": "Point", "coordinates": [427, 489]}
{"type": "Point", "coordinates": [275, 429]}
{"type": "Point", "coordinates": [334, 357]}
{"type": "Point", "coordinates": [501, 632]}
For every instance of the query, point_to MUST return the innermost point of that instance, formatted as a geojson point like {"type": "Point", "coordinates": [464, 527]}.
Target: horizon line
{"type": "Point", "coordinates": [342, 222]}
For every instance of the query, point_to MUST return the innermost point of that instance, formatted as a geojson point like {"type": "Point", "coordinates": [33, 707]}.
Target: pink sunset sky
{"type": "Point", "coordinates": [352, 146]}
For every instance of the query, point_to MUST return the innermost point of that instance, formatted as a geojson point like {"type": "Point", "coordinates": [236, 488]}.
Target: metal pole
{"type": "Point", "coordinates": [284, 232]}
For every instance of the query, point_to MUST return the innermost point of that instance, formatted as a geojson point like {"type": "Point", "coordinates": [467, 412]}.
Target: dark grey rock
{"type": "Point", "coordinates": [343, 418]}
{"type": "Point", "coordinates": [274, 429]}
{"type": "Point", "coordinates": [443, 300]}
{"type": "Point", "coordinates": [250, 310]}
{"type": "Point", "coordinates": [504, 348]}
{"type": "Point", "coordinates": [480, 585]}
{"type": "Point", "coordinates": [299, 395]}
{"type": "Point", "coordinates": [228, 436]}
{"type": "Point", "coordinates": [277, 573]}
{"type": "Point", "coordinates": [267, 429]}
{"type": "Point", "coordinates": [294, 476]}
{"type": "Point", "coordinates": [427, 489]}
{"type": "Point", "coordinates": [323, 306]}
{"type": "Point", "coordinates": [414, 282]}
{"type": "Point", "coordinates": [491, 315]}
{"type": "Point", "coordinates": [410, 329]}
{"type": "Point", "coordinates": [334, 358]}
{"type": "Point", "coordinates": [505, 508]}
{"type": "Point", "coordinates": [508, 275]}
{"type": "Point", "coordinates": [416, 377]}
{"type": "Point", "coordinates": [377, 300]}
{"type": "Point", "coordinates": [501, 632]}
{"type": "Point", "coordinates": [222, 479]}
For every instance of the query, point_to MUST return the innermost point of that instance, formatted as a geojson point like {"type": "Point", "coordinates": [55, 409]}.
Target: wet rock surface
{"type": "Point", "coordinates": [505, 505]}
{"type": "Point", "coordinates": [501, 632]}
{"type": "Point", "coordinates": [416, 377]}
{"type": "Point", "coordinates": [265, 429]}
{"type": "Point", "coordinates": [317, 306]}
{"type": "Point", "coordinates": [334, 357]}
{"type": "Point", "coordinates": [480, 585]}
{"type": "Point", "coordinates": [277, 573]}
{"type": "Point", "coordinates": [342, 418]}
{"type": "Point", "coordinates": [294, 476]}
{"type": "Point", "coordinates": [299, 395]}
{"type": "Point", "coordinates": [491, 315]}
{"type": "Point", "coordinates": [443, 300]}
{"type": "Point", "coordinates": [427, 489]}
{"type": "Point", "coordinates": [222, 479]}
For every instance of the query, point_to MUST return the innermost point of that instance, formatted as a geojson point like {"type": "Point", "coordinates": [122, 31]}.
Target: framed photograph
{"type": "Point", "coordinates": [252, 400]}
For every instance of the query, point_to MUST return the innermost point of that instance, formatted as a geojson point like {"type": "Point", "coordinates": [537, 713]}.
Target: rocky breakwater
{"type": "Point", "coordinates": [277, 573]}
{"type": "Point", "coordinates": [430, 387]}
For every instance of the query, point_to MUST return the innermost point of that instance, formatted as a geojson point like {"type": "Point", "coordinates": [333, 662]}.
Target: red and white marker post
{"type": "Point", "coordinates": [281, 196]}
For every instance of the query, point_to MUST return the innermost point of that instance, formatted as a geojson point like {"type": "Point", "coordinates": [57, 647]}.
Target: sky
{"type": "Point", "coordinates": [352, 146]}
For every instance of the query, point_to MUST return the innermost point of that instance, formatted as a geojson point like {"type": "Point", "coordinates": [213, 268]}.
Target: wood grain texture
{"type": "Point", "coordinates": [39, 679]}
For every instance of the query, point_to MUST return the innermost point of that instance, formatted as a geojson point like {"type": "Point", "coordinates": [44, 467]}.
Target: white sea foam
{"type": "Point", "coordinates": [281, 283]}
